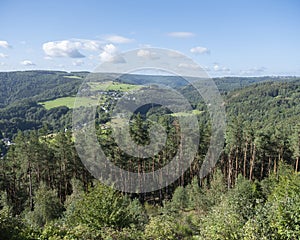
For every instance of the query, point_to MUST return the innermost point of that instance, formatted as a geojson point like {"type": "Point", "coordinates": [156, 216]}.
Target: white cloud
{"type": "Point", "coordinates": [2, 55]}
{"type": "Point", "coordinates": [189, 66]}
{"type": "Point", "coordinates": [4, 44]}
{"type": "Point", "coordinates": [174, 54]}
{"type": "Point", "coordinates": [181, 34]}
{"type": "Point", "coordinates": [143, 45]}
{"type": "Point", "coordinates": [70, 48]}
{"type": "Point", "coordinates": [2, 64]}
{"type": "Point", "coordinates": [147, 54]}
{"type": "Point", "coordinates": [218, 68]}
{"type": "Point", "coordinates": [110, 54]}
{"type": "Point", "coordinates": [48, 58]}
{"type": "Point", "coordinates": [78, 62]}
{"type": "Point", "coordinates": [118, 39]}
{"type": "Point", "coordinates": [253, 71]}
{"type": "Point", "coordinates": [27, 63]}
{"type": "Point", "coordinates": [200, 50]}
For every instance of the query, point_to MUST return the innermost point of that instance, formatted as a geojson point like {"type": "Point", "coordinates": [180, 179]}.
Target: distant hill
{"type": "Point", "coordinates": [47, 85]}
{"type": "Point", "coordinates": [20, 93]}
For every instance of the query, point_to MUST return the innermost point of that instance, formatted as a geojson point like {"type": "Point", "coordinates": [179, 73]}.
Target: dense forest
{"type": "Point", "coordinates": [252, 193]}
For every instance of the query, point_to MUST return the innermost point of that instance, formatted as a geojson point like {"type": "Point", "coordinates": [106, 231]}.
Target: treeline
{"type": "Point", "coordinates": [37, 85]}
{"type": "Point", "coordinates": [268, 209]}
{"type": "Point", "coordinates": [39, 158]}
{"type": "Point", "coordinates": [252, 193]}
{"type": "Point", "coordinates": [20, 93]}
{"type": "Point", "coordinates": [28, 115]}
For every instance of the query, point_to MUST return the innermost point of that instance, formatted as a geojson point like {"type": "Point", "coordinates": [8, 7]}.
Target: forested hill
{"type": "Point", "coordinates": [266, 104]}
{"type": "Point", "coordinates": [47, 193]}
{"type": "Point", "coordinates": [22, 92]}
{"type": "Point", "coordinates": [38, 85]}
{"type": "Point", "coordinates": [45, 85]}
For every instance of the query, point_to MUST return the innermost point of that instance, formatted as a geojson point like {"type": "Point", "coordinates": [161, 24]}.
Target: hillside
{"type": "Point", "coordinates": [48, 193]}
{"type": "Point", "coordinates": [32, 98]}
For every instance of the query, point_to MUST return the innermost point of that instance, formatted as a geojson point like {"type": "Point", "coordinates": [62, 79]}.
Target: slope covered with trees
{"type": "Point", "coordinates": [252, 193]}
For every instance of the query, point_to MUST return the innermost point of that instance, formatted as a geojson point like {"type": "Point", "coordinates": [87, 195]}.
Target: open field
{"type": "Point", "coordinates": [182, 114]}
{"type": "Point", "coordinates": [73, 77]}
{"type": "Point", "coordinates": [69, 102]}
{"type": "Point", "coordinates": [113, 86]}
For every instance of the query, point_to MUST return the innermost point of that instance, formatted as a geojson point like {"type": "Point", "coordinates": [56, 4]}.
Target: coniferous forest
{"type": "Point", "coordinates": [253, 192]}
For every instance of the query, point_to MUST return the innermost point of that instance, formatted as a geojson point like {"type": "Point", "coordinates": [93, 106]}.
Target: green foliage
{"type": "Point", "coordinates": [180, 198]}
{"type": "Point", "coordinates": [104, 207]}
{"type": "Point", "coordinates": [161, 227]}
{"type": "Point", "coordinates": [244, 197]}
{"type": "Point", "coordinates": [47, 207]}
{"type": "Point", "coordinates": [262, 144]}
{"type": "Point", "coordinates": [285, 207]}
{"type": "Point", "coordinates": [222, 222]}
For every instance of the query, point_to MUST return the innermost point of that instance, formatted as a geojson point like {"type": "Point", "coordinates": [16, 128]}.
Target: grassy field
{"type": "Point", "coordinates": [69, 102]}
{"type": "Point", "coordinates": [114, 86]}
{"type": "Point", "coordinates": [182, 114]}
{"type": "Point", "coordinates": [73, 77]}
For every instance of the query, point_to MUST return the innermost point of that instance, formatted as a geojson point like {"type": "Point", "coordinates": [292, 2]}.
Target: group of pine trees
{"type": "Point", "coordinates": [252, 193]}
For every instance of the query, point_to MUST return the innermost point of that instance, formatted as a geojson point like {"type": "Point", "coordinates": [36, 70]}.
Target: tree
{"type": "Point", "coordinates": [47, 207]}
{"type": "Point", "coordinates": [295, 145]}
{"type": "Point", "coordinates": [105, 207]}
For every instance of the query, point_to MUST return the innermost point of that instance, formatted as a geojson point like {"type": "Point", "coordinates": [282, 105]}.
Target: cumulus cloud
{"type": "Point", "coordinates": [78, 62]}
{"type": "Point", "coordinates": [181, 34]}
{"type": "Point", "coordinates": [2, 55]}
{"type": "Point", "coordinates": [118, 39]}
{"type": "Point", "coordinates": [110, 54]}
{"type": "Point", "coordinates": [70, 48]}
{"type": "Point", "coordinates": [27, 63]}
{"type": "Point", "coordinates": [200, 50]}
{"type": "Point", "coordinates": [4, 44]}
{"type": "Point", "coordinates": [147, 54]}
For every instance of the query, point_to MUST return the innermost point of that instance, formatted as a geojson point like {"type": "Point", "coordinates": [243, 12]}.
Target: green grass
{"type": "Point", "coordinates": [182, 114]}
{"type": "Point", "coordinates": [73, 77]}
{"type": "Point", "coordinates": [69, 102]}
{"type": "Point", "coordinates": [114, 86]}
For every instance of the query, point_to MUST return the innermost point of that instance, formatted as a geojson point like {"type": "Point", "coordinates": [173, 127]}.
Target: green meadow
{"type": "Point", "coordinates": [69, 102]}
{"type": "Point", "coordinates": [113, 86]}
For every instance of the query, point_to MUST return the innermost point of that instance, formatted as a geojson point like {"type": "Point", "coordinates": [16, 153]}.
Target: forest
{"type": "Point", "coordinates": [252, 193]}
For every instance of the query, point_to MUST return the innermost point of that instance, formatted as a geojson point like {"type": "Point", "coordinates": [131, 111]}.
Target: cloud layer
{"type": "Point", "coordinates": [70, 48]}
{"type": "Point", "coordinates": [118, 39]}
{"type": "Point", "coordinates": [110, 54]}
{"type": "Point", "coordinates": [181, 34]}
{"type": "Point", "coordinates": [200, 50]}
{"type": "Point", "coordinates": [27, 63]}
{"type": "Point", "coordinates": [4, 44]}
{"type": "Point", "coordinates": [2, 55]}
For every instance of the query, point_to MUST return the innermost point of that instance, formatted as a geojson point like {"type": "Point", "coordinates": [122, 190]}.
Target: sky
{"type": "Point", "coordinates": [225, 37]}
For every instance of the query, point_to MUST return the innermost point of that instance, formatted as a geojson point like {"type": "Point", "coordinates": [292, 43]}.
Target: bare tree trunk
{"type": "Point", "coordinates": [236, 164]}
{"type": "Point", "coordinates": [245, 159]}
{"type": "Point", "coordinates": [252, 162]}
{"type": "Point", "coordinates": [30, 188]}
{"type": "Point", "coordinates": [269, 166]}
{"type": "Point", "coordinates": [229, 170]}
{"type": "Point", "coordinates": [262, 169]}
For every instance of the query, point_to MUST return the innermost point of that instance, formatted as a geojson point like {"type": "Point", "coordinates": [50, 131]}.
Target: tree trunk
{"type": "Point", "coordinates": [245, 159]}
{"type": "Point", "coordinates": [252, 162]}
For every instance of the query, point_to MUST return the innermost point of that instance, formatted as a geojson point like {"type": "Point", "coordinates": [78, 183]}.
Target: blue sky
{"type": "Point", "coordinates": [235, 37]}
